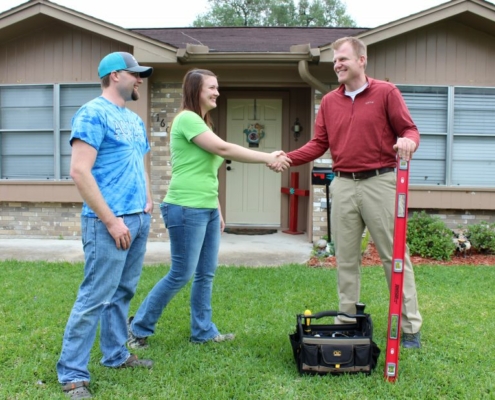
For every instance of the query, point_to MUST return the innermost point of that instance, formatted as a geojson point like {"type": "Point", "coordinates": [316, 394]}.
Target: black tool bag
{"type": "Point", "coordinates": [334, 349]}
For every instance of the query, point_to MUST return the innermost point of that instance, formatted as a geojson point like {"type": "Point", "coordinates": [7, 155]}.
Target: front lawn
{"type": "Point", "coordinates": [457, 360]}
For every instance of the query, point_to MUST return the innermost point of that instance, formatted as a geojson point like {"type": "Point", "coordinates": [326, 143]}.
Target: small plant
{"type": "Point", "coordinates": [323, 249]}
{"type": "Point", "coordinates": [321, 252]}
{"type": "Point", "coordinates": [482, 237]}
{"type": "Point", "coordinates": [428, 236]}
{"type": "Point", "coordinates": [461, 241]}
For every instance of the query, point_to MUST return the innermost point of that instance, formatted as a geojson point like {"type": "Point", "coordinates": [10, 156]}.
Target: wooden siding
{"type": "Point", "coordinates": [453, 199]}
{"type": "Point", "coordinates": [55, 53]}
{"type": "Point", "coordinates": [446, 53]}
{"type": "Point", "coordinates": [18, 191]}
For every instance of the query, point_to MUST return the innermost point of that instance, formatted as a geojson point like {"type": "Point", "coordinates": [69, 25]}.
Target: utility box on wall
{"type": "Point", "coordinates": [322, 176]}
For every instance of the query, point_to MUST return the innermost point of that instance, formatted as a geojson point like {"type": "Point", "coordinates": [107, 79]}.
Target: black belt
{"type": "Point", "coordinates": [357, 176]}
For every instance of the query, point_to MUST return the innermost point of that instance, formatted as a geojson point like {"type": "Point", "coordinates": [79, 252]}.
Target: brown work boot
{"type": "Point", "coordinates": [134, 362]}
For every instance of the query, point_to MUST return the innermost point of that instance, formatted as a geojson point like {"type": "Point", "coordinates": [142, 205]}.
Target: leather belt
{"type": "Point", "coordinates": [357, 176]}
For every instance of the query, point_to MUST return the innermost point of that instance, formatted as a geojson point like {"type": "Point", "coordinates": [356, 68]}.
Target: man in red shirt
{"type": "Point", "coordinates": [364, 123]}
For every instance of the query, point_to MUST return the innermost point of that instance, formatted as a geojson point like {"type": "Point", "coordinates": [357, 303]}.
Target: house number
{"type": "Point", "coordinates": [162, 122]}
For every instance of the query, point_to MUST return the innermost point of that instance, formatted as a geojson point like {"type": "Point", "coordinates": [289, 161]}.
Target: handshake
{"type": "Point", "coordinates": [280, 162]}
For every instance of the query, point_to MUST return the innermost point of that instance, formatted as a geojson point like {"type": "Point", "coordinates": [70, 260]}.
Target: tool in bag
{"type": "Point", "coordinates": [397, 280]}
{"type": "Point", "coordinates": [335, 348]}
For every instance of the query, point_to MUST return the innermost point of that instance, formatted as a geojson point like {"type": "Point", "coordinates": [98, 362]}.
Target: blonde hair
{"type": "Point", "coordinates": [357, 45]}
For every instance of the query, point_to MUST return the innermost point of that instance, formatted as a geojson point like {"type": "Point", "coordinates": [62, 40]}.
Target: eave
{"type": "Point", "coordinates": [39, 12]}
{"type": "Point", "coordinates": [453, 9]}
{"type": "Point", "coordinates": [470, 12]}
{"type": "Point", "coordinates": [201, 54]}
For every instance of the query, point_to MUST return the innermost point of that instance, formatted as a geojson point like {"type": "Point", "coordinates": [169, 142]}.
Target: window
{"type": "Point", "coordinates": [428, 108]}
{"type": "Point", "coordinates": [457, 135]}
{"type": "Point", "coordinates": [473, 149]}
{"type": "Point", "coordinates": [35, 124]}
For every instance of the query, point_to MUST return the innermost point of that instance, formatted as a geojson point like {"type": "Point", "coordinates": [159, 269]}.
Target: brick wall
{"type": "Point", "coordinates": [40, 220]}
{"type": "Point", "coordinates": [452, 218]}
{"type": "Point", "coordinates": [62, 220]}
{"type": "Point", "coordinates": [457, 218]}
{"type": "Point", "coordinates": [319, 192]}
{"type": "Point", "coordinates": [165, 103]}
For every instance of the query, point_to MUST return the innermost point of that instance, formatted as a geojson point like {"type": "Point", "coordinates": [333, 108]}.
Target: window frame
{"type": "Point", "coordinates": [451, 134]}
{"type": "Point", "coordinates": [60, 168]}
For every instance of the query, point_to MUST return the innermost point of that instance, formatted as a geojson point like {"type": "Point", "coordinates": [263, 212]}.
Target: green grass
{"type": "Point", "coordinates": [457, 360]}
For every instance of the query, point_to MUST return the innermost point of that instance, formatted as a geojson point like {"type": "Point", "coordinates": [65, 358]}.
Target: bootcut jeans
{"type": "Point", "coordinates": [194, 245]}
{"type": "Point", "coordinates": [110, 280]}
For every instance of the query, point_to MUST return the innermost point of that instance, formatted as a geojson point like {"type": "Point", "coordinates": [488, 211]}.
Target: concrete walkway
{"type": "Point", "coordinates": [258, 250]}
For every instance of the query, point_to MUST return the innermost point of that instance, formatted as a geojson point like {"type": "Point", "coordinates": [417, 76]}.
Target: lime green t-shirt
{"type": "Point", "coordinates": [194, 171]}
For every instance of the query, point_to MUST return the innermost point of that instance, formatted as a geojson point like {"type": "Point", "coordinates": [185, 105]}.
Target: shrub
{"type": "Point", "coordinates": [429, 237]}
{"type": "Point", "coordinates": [482, 237]}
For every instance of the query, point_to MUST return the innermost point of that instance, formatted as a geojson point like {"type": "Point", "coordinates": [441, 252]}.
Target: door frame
{"type": "Point", "coordinates": [220, 121]}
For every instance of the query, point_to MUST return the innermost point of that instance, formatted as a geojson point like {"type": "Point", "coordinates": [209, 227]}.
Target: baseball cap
{"type": "Point", "coordinates": [119, 61]}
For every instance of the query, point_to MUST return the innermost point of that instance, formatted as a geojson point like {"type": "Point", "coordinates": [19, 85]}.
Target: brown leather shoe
{"type": "Point", "coordinates": [134, 362]}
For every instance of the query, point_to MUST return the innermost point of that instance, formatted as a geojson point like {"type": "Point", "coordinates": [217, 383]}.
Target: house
{"type": "Point", "coordinates": [442, 59]}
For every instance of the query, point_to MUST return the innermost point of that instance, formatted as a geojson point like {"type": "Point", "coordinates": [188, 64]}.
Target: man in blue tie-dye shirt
{"type": "Point", "coordinates": [109, 144]}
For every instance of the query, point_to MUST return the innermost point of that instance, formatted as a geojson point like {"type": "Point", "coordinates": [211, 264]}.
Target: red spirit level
{"type": "Point", "coordinates": [397, 280]}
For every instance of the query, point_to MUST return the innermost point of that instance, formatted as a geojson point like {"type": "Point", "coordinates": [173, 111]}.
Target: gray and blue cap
{"type": "Point", "coordinates": [119, 61]}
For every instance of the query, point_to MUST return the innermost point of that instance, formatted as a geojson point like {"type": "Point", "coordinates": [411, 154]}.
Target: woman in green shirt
{"type": "Point", "coordinates": [191, 211]}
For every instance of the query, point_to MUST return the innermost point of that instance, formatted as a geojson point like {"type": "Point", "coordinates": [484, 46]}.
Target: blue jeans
{"type": "Point", "coordinates": [194, 244]}
{"type": "Point", "coordinates": [110, 280]}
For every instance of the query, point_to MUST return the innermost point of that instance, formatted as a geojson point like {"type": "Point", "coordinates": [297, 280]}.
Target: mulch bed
{"type": "Point", "coordinates": [372, 258]}
{"type": "Point", "coordinates": [250, 231]}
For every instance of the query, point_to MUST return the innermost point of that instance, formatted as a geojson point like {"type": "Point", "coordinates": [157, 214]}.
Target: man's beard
{"type": "Point", "coordinates": [134, 95]}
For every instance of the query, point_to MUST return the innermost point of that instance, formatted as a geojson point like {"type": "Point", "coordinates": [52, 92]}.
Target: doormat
{"type": "Point", "coordinates": [250, 231]}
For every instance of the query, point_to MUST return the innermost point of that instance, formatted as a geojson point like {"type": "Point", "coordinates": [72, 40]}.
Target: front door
{"type": "Point", "coordinates": [252, 190]}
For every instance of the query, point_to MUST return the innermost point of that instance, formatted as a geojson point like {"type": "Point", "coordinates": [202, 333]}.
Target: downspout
{"type": "Point", "coordinates": [310, 54]}
{"type": "Point", "coordinates": [305, 75]}
{"type": "Point", "coordinates": [310, 79]}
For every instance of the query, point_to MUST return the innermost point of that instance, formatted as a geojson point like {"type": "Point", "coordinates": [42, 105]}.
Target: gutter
{"type": "Point", "coordinates": [301, 54]}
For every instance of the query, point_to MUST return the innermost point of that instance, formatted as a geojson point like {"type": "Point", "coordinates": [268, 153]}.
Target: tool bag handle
{"type": "Point", "coordinates": [331, 313]}
{"type": "Point", "coordinates": [362, 320]}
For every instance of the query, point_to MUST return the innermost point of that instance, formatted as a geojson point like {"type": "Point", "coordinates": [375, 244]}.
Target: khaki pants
{"type": "Point", "coordinates": [356, 204]}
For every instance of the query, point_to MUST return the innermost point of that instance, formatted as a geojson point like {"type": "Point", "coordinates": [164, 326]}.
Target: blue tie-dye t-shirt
{"type": "Point", "coordinates": [119, 136]}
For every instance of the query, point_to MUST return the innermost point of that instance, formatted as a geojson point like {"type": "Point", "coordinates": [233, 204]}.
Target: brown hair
{"type": "Point", "coordinates": [105, 81]}
{"type": "Point", "coordinates": [191, 91]}
{"type": "Point", "coordinates": [357, 45]}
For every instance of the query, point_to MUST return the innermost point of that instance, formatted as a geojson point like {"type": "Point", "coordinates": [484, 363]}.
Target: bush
{"type": "Point", "coordinates": [429, 237]}
{"type": "Point", "coordinates": [482, 237]}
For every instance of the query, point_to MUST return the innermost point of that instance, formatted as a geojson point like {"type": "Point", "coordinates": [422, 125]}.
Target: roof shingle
{"type": "Point", "coordinates": [248, 39]}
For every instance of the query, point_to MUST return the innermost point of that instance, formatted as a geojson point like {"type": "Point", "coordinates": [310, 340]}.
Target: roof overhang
{"type": "Point", "coordinates": [201, 54]}
{"type": "Point", "coordinates": [477, 13]}
{"type": "Point", "coordinates": [39, 12]}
